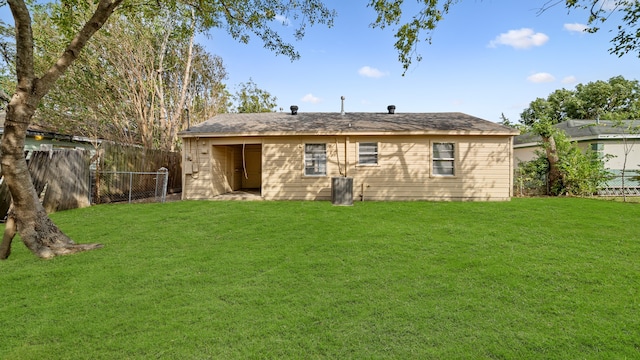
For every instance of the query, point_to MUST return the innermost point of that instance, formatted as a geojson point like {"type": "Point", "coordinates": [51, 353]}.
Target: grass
{"type": "Point", "coordinates": [531, 278]}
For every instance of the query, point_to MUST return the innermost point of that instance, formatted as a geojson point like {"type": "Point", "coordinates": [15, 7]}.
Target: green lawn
{"type": "Point", "coordinates": [526, 279]}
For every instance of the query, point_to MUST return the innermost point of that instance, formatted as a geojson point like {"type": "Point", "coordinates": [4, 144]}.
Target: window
{"type": "Point", "coordinates": [315, 159]}
{"type": "Point", "coordinates": [598, 149]}
{"type": "Point", "coordinates": [443, 159]}
{"type": "Point", "coordinates": [368, 154]}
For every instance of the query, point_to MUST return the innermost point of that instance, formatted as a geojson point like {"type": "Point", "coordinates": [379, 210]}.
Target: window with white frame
{"type": "Point", "coordinates": [443, 159]}
{"type": "Point", "coordinates": [368, 153]}
{"type": "Point", "coordinates": [315, 159]}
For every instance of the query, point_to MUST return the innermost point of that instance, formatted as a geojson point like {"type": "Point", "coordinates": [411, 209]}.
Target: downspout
{"type": "Point", "coordinates": [184, 173]}
{"type": "Point", "coordinates": [346, 156]}
{"type": "Point", "coordinates": [338, 159]}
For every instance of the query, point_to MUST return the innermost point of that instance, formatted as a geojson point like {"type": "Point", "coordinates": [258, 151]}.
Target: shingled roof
{"type": "Point", "coordinates": [578, 130]}
{"type": "Point", "coordinates": [279, 123]}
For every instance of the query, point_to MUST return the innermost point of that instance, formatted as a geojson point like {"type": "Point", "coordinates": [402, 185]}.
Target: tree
{"type": "Point", "coordinates": [567, 169]}
{"type": "Point", "coordinates": [27, 217]}
{"type": "Point", "coordinates": [251, 99]}
{"type": "Point", "coordinates": [507, 122]}
{"type": "Point", "coordinates": [627, 39]}
{"type": "Point", "coordinates": [208, 94]}
{"type": "Point", "coordinates": [142, 74]}
{"type": "Point", "coordinates": [615, 99]}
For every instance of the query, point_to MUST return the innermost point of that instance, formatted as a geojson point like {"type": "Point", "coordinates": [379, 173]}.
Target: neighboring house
{"type": "Point", "coordinates": [293, 156]}
{"type": "Point", "coordinates": [603, 136]}
{"type": "Point", "coordinates": [38, 139]}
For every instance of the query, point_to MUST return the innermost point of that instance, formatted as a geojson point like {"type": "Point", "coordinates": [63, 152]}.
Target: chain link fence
{"type": "Point", "coordinates": [527, 184]}
{"type": "Point", "coordinates": [618, 184]}
{"type": "Point", "coordinates": [129, 186]}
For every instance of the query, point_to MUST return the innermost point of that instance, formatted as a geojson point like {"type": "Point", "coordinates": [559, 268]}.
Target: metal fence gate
{"type": "Point", "coordinates": [130, 186]}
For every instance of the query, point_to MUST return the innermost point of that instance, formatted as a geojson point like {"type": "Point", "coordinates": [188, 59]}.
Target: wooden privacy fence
{"type": "Point", "coordinates": [124, 158]}
{"type": "Point", "coordinates": [60, 177]}
{"type": "Point", "coordinates": [68, 179]}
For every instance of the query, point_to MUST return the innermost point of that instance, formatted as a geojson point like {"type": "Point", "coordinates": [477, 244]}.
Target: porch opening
{"type": "Point", "coordinates": [238, 168]}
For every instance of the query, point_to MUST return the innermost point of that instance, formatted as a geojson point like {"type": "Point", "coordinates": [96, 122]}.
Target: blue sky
{"type": "Point", "coordinates": [487, 57]}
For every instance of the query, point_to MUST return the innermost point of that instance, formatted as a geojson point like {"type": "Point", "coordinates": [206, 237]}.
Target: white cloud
{"type": "Point", "coordinates": [575, 27]}
{"type": "Point", "coordinates": [283, 20]}
{"type": "Point", "coordinates": [524, 38]}
{"type": "Point", "coordinates": [569, 80]}
{"type": "Point", "coordinates": [368, 71]}
{"type": "Point", "coordinates": [541, 78]}
{"type": "Point", "coordinates": [311, 99]}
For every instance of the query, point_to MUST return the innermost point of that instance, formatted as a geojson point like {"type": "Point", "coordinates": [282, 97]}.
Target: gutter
{"type": "Point", "coordinates": [192, 134]}
{"type": "Point", "coordinates": [584, 138]}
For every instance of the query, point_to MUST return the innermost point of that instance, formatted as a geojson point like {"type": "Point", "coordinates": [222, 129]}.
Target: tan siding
{"type": "Point", "coordinates": [283, 169]}
{"type": "Point", "coordinates": [198, 185]}
{"type": "Point", "coordinates": [403, 172]}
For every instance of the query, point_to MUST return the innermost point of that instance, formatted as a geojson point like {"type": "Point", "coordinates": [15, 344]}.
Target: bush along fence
{"type": "Point", "coordinates": [68, 179]}
{"type": "Point", "coordinates": [616, 184]}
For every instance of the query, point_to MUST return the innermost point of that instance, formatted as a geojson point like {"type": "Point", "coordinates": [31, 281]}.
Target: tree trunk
{"type": "Point", "coordinates": [555, 180]}
{"type": "Point", "coordinates": [176, 121]}
{"type": "Point", "coordinates": [36, 230]}
{"type": "Point", "coordinates": [7, 238]}
{"type": "Point", "coordinates": [28, 217]}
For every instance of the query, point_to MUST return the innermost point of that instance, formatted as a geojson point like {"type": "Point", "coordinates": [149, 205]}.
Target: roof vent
{"type": "Point", "coordinates": [391, 109]}
{"type": "Point", "coordinates": [294, 109]}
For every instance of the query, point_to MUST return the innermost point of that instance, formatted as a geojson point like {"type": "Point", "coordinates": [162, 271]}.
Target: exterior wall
{"type": "Point", "coordinates": [615, 148]}
{"type": "Point", "coordinates": [32, 144]}
{"type": "Point", "coordinates": [618, 150]}
{"type": "Point", "coordinates": [212, 166]}
{"type": "Point", "coordinates": [483, 168]}
{"type": "Point", "coordinates": [197, 177]}
{"type": "Point", "coordinates": [403, 172]}
{"type": "Point", "coordinates": [524, 154]}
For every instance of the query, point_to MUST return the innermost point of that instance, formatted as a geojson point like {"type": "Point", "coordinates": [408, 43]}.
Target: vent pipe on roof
{"type": "Point", "coordinates": [294, 109]}
{"type": "Point", "coordinates": [391, 109]}
{"type": "Point", "coordinates": [342, 105]}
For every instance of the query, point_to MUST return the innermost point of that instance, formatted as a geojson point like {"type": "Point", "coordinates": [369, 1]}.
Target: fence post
{"type": "Point", "coordinates": [165, 180]}
{"type": "Point", "coordinates": [130, 185]}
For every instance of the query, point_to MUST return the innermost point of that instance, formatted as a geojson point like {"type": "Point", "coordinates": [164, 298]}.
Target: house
{"type": "Point", "coordinates": [40, 139]}
{"type": "Point", "coordinates": [603, 136]}
{"type": "Point", "coordinates": [611, 140]}
{"type": "Point", "coordinates": [389, 156]}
